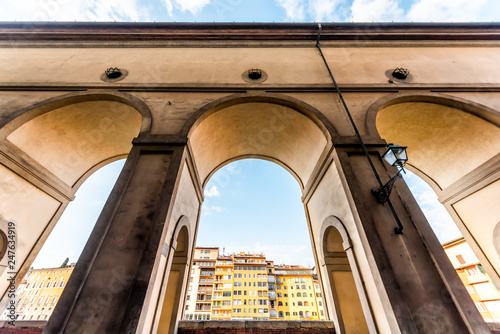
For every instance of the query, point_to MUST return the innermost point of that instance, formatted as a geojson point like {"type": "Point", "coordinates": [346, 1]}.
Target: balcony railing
{"type": "Point", "coordinates": [202, 309]}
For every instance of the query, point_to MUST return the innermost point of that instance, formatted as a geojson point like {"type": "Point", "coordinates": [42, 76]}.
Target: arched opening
{"type": "Point", "coordinates": [350, 315]}
{"type": "Point", "coordinates": [173, 291]}
{"type": "Point", "coordinates": [273, 129]}
{"type": "Point", "coordinates": [252, 213]}
{"type": "Point", "coordinates": [453, 145]}
{"type": "Point", "coordinates": [52, 148]}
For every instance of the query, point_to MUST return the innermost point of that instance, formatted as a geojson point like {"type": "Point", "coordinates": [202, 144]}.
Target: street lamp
{"type": "Point", "coordinates": [396, 156]}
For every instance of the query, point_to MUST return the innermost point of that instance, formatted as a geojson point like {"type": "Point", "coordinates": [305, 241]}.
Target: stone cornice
{"type": "Point", "coordinates": [158, 32]}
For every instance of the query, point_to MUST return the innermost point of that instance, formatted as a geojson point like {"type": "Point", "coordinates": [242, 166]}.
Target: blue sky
{"type": "Point", "coordinates": [272, 192]}
{"type": "Point", "coordinates": [251, 10]}
{"type": "Point", "coordinates": [250, 205]}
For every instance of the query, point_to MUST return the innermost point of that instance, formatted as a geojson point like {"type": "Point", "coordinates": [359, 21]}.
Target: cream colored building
{"type": "Point", "coordinates": [39, 292]}
{"type": "Point", "coordinates": [483, 292]}
{"type": "Point", "coordinates": [200, 287]}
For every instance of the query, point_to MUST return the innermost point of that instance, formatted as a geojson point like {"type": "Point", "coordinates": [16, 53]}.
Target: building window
{"type": "Point", "coordinates": [473, 271]}
{"type": "Point", "coordinates": [480, 307]}
{"type": "Point", "coordinates": [460, 259]}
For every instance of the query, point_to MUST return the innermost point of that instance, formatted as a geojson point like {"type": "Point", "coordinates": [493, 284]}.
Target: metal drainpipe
{"type": "Point", "coordinates": [399, 229]}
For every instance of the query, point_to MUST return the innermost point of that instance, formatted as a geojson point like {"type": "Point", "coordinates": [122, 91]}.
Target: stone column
{"type": "Point", "coordinates": [107, 289]}
{"type": "Point", "coordinates": [423, 288]}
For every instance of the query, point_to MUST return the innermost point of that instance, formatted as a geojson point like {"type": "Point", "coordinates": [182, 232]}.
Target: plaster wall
{"type": "Point", "coordinates": [170, 110]}
{"type": "Point", "coordinates": [186, 204]}
{"type": "Point", "coordinates": [204, 64]}
{"type": "Point", "coordinates": [258, 129]}
{"type": "Point", "coordinates": [482, 206]}
{"type": "Point", "coordinates": [329, 198]}
{"type": "Point", "coordinates": [17, 194]}
{"type": "Point", "coordinates": [443, 142]}
{"type": "Point", "coordinates": [72, 139]}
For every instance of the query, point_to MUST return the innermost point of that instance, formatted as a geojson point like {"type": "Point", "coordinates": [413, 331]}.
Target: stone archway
{"type": "Point", "coordinates": [453, 145]}
{"type": "Point", "coordinates": [163, 181]}
{"type": "Point", "coordinates": [77, 134]}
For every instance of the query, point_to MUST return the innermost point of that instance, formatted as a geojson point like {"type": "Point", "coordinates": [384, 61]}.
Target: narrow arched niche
{"type": "Point", "coordinates": [346, 300]}
{"type": "Point", "coordinates": [173, 294]}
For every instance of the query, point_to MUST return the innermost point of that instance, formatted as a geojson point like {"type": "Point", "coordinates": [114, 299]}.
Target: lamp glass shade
{"type": "Point", "coordinates": [395, 155]}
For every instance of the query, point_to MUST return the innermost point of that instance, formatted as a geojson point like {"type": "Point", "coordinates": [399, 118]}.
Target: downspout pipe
{"type": "Point", "coordinates": [399, 229]}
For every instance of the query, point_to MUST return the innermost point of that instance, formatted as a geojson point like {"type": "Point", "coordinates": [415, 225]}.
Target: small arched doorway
{"type": "Point", "coordinates": [173, 291]}
{"type": "Point", "coordinates": [351, 308]}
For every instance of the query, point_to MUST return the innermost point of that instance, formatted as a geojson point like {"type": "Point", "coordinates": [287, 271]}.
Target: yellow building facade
{"type": "Point", "coordinates": [248, 286]}
{"type": "Point", "coordinates": [484, 294]}
{"type": "Point", "coordinates": [298, 294]}
{"type": "Point", "coordinates": [39, 292]}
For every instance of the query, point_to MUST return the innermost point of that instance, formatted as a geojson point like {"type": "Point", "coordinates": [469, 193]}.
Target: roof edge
{"type": "Point", "coordinates": [152, 31]}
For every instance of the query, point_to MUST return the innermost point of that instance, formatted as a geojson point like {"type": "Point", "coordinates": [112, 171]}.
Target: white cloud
{"type": "Point", "coordinates": [294, 9]}
{"type": "Point", "coordinates": [442, 224]}
{"type": "Point", "coordinates": [318, 10]}
{"type": "Point", "coordinates": [73, 10]}
{"type": "Point", "coordinates": [192, 6]}
{"type": "Point", "coordinates": [375, 11]}
{"type": "Point", "coordinates": [454, 10]}
{"type": "Point", "coordinates": [216, 208]}
{"type": "Point", "coordinates": [440, 220]}
{"type": "Point", "coordinates": [326, 10]}
{"type": "Point", "coordinates": [212, 192]}
{"type": "Point", "coordinates": [426, 197]}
